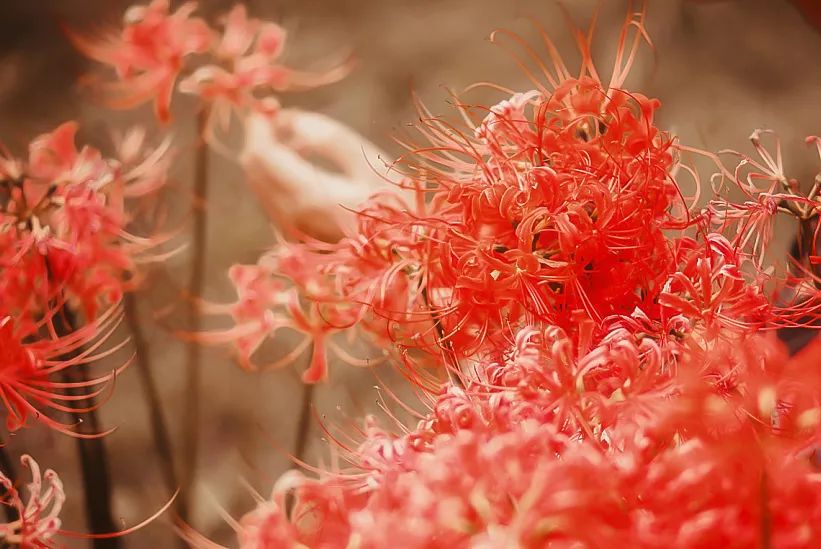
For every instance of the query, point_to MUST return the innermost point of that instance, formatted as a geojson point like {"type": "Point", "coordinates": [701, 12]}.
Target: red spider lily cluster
{"type": "Point", "coordinates": [595, 353]}
{"type": "Point", "coordinates": [65, 252]}
{"type": "Point", "coordinates": [39, 518]}
{"type": "Point", "coordinates": [613, 372]}
{"type": "Point", "coordinates": [66, 258]}
{"type": "Point", "coordinates": [156, 47]}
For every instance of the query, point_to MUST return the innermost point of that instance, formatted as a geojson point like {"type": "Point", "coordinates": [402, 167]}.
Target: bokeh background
{"type": "Point", "coordinates": [721, 69]}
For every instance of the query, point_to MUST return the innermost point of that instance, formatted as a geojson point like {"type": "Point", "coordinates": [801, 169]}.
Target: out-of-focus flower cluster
{"type": "Point", "coordinates": [236, 66]}
{"type": "Point", "coordinates": [616, 377]}
{"type": "Point", "coordinates": [39, 519]}
{"type": "Point", "coordinates": [66, 258]}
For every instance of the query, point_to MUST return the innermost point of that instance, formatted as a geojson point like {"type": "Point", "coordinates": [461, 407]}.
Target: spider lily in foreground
{"type": "Point", "coordinates": [617, 375]}
{"type": "Point", "coordinates": [561, 206]}
{"type": "Point", "coordinates": [689, 465]}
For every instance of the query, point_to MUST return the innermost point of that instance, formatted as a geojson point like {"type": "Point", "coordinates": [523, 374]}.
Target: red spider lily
{"type": "Point", "coordinates": [39, 522]}
{"type": "Point", "coordinates": [39, 516]}
{"type": "Point", "coordinates": [470, 478]}
{"type": "Point", "coordinates": [257, 316]}
{"type": "Point", "coordinates": [149, 53]}
{"type": "Point", "coordinates": [539, 233]}
{"type": "Point", "coordinates": [710, 288]}
{"type": "Point", "coordinates": [259, 292]}
{"type": "Point", "coordinates": [251, 49]}
{"type": "Point", "coordinates": [617, 380]}
{"type": "Point", "coordinates": [767, 190]}
{"type": "Point", "coordinates": [559, 207]}
{"type": "Point", "coordinates": [749, 226]}
{"type": "Point", "coordinates": [143, 169]}
{"type": "Point", "coordinates": [266, 527]}
{"type": "Point", "coordinates": [64, 222]}
{"type": "Point", "coordinates": [155, 45]}
{"type": "Point", "coordinates": [355, 282]}
{"type": "Point", "coordinates": [30, 360]}
{"type": "Point", "coordinates": [550, 209]}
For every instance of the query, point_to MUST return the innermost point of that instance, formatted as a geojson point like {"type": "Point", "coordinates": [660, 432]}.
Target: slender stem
{"type": "Point", "coordinates": [191, 420]}
{"type": "Point", "coordinates": [303, 427]}
{"type": "Point", "coordinates": [7, 467]}
{"type": "Point", "coordinates": [97, 487]}
{"type": "Point", "coordinates": [159, 427]}
{"type": "Point", "coordinates": [816, 185]}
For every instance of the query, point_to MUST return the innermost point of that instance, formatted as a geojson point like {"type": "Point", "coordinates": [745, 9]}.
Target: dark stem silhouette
{"type": "Point", "coordinates": [191, 419]}
{"type": "Point", "coordinates": [94, 466]}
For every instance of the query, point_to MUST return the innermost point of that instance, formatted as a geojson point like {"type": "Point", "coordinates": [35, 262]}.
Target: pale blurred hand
{"type": "Point", "coordinates": [304, 166]}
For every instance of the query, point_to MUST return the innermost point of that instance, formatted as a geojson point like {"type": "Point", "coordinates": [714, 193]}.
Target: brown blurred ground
{"type": "Point", "coordinates": [721, 69]}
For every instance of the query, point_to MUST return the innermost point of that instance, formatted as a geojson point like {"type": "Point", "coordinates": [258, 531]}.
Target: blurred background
{"type": "Point", "coordinates": [721, 69]}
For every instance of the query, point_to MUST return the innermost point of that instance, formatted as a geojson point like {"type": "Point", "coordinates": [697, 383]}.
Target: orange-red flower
{"type": "Point", "coordinates": [39, 515]}
{"type": "Point", "coordinates": [149, 52]}
{"type": "Point", "coordinates": [64, 223]}
{"type": "Point", "coordinates": [614, 375]}
{"type": "Point", "coordinates": [251, 49]}
{"type": "Point", "coordinates": [156, 46]}
{"type": "Point", "coordinates": [33, 355]}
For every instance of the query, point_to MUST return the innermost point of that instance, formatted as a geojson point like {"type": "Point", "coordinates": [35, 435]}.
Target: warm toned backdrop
{"type": "Point", "coordinates": [722, 69]}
